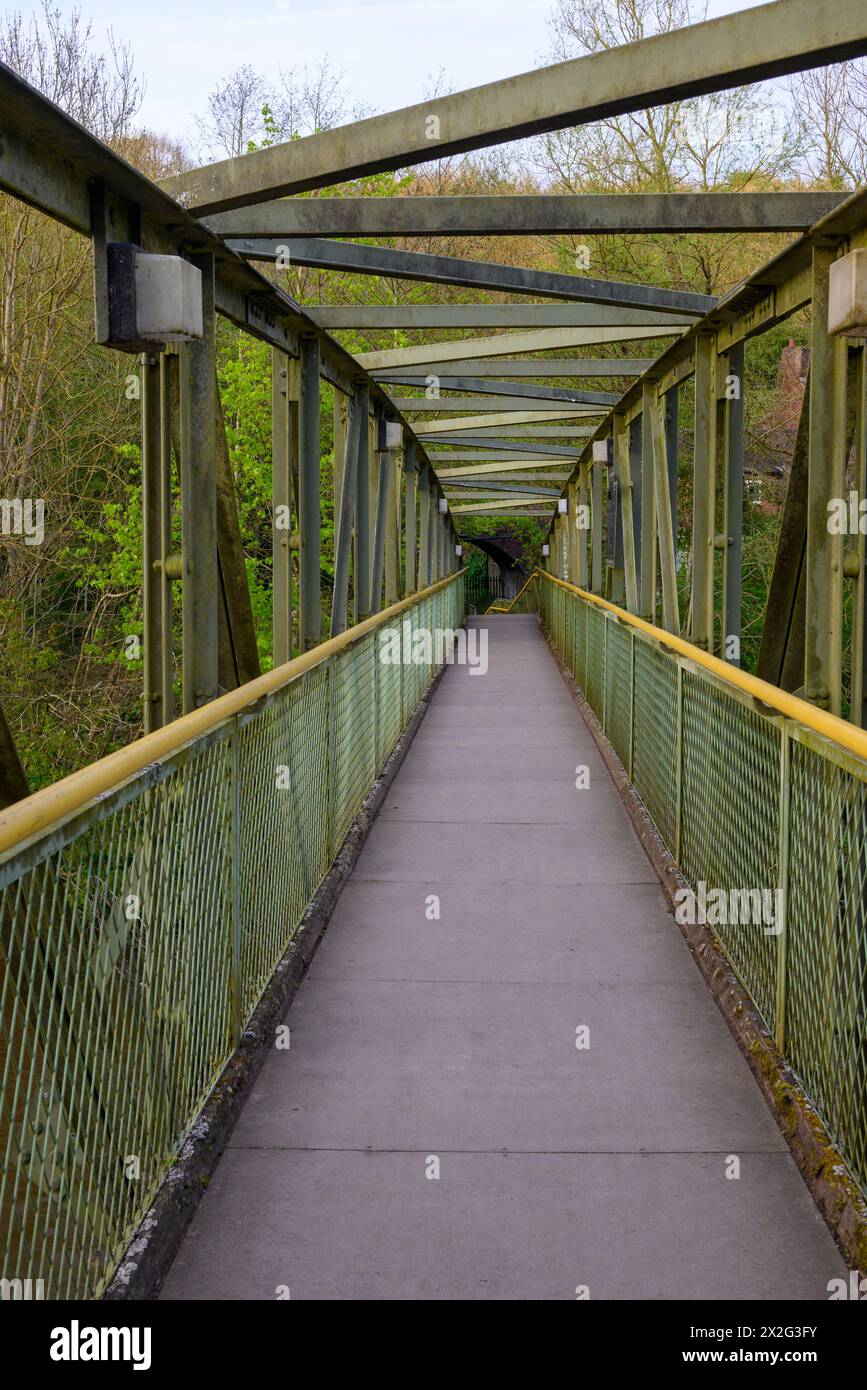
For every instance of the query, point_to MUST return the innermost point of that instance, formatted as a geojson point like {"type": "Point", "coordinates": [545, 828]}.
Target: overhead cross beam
{"type": "Point", "coordinates": [504, 467]}
{"type": "Point", "coordinates": [475, 422]}
{"type": "Point", "coordinates": [506, 344]}
{"type": "Point", "coordinates": [465, 487]}
{"type": "Point", "coordinates": [521, 315]}
{"type": "Point", "coordinates": [497, 388]}
{"type": "Point", "coordinates": [521, 214]}
{"type": "Point", "coordinates": [496, 506]}
{"type": "Point", "coordinates": [541, 367]}
{"type": "Point", "coordinates": [550, 410]}
{"type": "Point", "coordinates": [483, 275]}
{"type": "Point", "coordinates": [749, 46]}
{"type": "Point", "coordinates": [505, 445]}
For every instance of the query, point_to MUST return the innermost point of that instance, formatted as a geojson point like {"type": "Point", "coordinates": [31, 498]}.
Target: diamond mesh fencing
{"type": "Point", "coordinates": [768, 823]}
{"type": "Point", "coordinates": [138, 934]}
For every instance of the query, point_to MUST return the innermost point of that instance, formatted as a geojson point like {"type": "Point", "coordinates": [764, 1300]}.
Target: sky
{"type": "Point", "coordinates": [389, 50]}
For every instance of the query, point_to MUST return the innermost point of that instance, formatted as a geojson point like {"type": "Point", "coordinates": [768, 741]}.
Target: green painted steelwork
{"type": "Point", "coordinates": [139, 932]}
{"type": "Point", "coordinates": [747, 800]}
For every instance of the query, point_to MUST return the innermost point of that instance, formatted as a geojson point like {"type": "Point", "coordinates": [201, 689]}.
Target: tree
{"type": "Point", "coordinates": [729, 141]}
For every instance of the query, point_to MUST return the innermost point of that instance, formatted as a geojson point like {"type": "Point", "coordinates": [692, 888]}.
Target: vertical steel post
{"type": "Point", "coordinates": [380, 518]}
{"type": "Point", "coordinates": [858, 697]}
{"type": "Point", "coordinates": [361, 559]}
{"type": "Point", "coordinates": [823, 658]}
{"type": "Point", "coordinates": [733, 505]}
{"type": "Point", "coordinates": [657, 428]}
{"type": "Point", "coordinates": [281, 507]}
{"type": "Point", "coordinates": [425, 527]}
{"type": "Point", "coordinates": [392, 527]}
{"type": "Point", "coordinates": [410, 513]}
{"type": "Point", "coordinates": [339, 429]}
{"type": "Point", "coordinates": [596, 481]}
{"type": "Point", "coordinates": [704, 495]}
{"type": "Point", "coordinates": [648, 505]}
{"type": "Point", "coordinates": [169, 391]}
{"type": "Point", "coordinates": [672, 409]}
{"type": "Point", "coordinates": [582, 531]}
{"type": "Point", "coordinates": [153, 548]}
{"type": "Point", "coordinates": [198, 434]}
{"type": "Point", "coordinates": [623, 467]}
{"type": "Point", "coordinates": [309, 497]}
{"type": "Point", "coordinates": [343, 539]}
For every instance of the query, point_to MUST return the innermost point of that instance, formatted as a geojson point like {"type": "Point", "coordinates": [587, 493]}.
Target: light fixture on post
{"type": "Point", "coordinates": [600, 451]}
{"type": "Point", "coordinates": [459, 550]}
{"type": "Point", "coordinates": [546, 549]}
{"type": "Point", "coordinates": [562, 505]}
{"type": "Point", "coordinates": [443, 506]}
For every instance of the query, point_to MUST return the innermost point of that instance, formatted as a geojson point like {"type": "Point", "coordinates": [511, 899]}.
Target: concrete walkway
{"type": "Point", "coordinates": [454, 1039]}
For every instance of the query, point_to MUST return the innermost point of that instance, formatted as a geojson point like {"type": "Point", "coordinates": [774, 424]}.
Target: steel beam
{"type": "Point", "coordinates": [656, 423]}
{"type": "Point", "coordinates": [343, 541]}
{"type": "Point", "coordinates": [623, 468]}
{"type": "Point", "coordinates": [198, 433]}
{"type": "Point", "coordinates": [309, 499]}
{"type": "Point", "coordinates": [781, 653]}
{"type": "Point", "coordinates": [823, 657]}
{"type": "Point", "coordinates": [506, 345]}
{"type": "Point", "coordinates": [505, 468]}
{"type": "Point", "coordinates": [504, 447]}
{"type": "Point", "coordinates": [379, 528]}
{"type": "Point", "coordinates": [425, 527]}
{"type": "Point", "coordinates": [281, 506]}
{"type": "Point", "coordinates": [453, 270]}
{"type": "Point", "coordinates": [515, 390]}
{"type": "Point", "coordinates": [416, 317]}
{"type": "Point", "coordinates": [471, 423]}
{"type": "Point", "coordinates": [733, 504]}
{"type": "Point", "coordinates": [648, 507]}
{"type": "Point", "coordinates": [596, 558]}
{"type": "Point", "coordinates": [704, 495]}
{"type": "Point", "coordinates": [525, 405]}
{"type": "Point", "coordinates": [479, 507]}
{"type": "Point", "coordinates": [546, 214]}
{"type": "Point", "coordinates": [155, 581]}
{"type": "Point", "coordinates": [541, 367]}
{"type": "Point", "coordinates": [410, 471]}
{"type": "Point", "coordinates": [858, 691]}
{"type": "Point", "coordinates": [361, 556]}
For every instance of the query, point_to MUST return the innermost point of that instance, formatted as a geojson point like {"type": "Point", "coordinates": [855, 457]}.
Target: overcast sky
{"type": "Point", "coordinates": [389, 50]}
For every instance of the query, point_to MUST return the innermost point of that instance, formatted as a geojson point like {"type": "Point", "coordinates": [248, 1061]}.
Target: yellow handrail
{"type": "Point", "coordinates": [846, 735]}
{"type": "Point", "coordinates": [36, 813]}
{"type": "Point", "coordinates": [492, 607]}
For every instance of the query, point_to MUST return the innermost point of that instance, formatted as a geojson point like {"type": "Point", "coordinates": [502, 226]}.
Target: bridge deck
{"type": "Point", "coordinates": [455, 1038]}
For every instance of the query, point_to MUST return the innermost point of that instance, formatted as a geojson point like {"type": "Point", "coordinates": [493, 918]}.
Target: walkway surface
{"type": "Point", "coordinates": [454, 1039]}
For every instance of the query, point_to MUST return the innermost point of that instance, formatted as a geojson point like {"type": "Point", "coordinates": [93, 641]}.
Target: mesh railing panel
{"type": "Point", "coordinates": [768, 818]}
{"type": "Point", "coordinates": [618, 688]}
{"type": "Point", "coordinates": [594, 686]}
{"type": "Point", "coordinates": [826, 943]}
{"type": "Point", "coordinates": [730, 818]}
{"type": "Point", "coordinates": [136, 939]}
{"type": "Point", "coordinates": [654, 737]}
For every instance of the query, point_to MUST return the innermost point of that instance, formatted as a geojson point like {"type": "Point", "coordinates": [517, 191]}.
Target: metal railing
{"type": "Point", "coordinates": [753, 791]}
{"type": "Point", "coordinates": [145, 903]}
{"type": "Point", "coordinates": [525, 600]}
